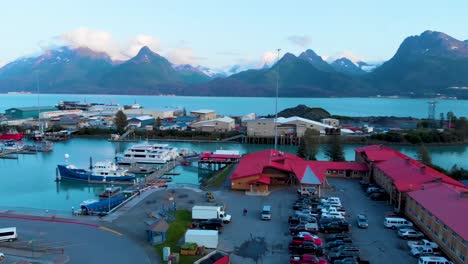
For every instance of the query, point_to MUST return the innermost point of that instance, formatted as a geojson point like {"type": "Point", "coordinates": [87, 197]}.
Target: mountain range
{"type": "Point", "coordinates": [429, 64]}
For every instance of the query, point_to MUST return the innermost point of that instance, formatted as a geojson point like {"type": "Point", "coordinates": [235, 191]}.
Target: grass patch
{"type": "Point", "coordinates": [175, 232]}
{"type": "Point", "coordinates": [219, 177]}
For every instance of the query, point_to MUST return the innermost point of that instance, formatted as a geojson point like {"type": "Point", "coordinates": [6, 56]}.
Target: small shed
{"type": "Point", "coordinates": [156, 232]}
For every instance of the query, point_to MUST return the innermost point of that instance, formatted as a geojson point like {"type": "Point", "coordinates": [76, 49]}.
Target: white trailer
{"type": "Point", "coordinates": [200, 212]}
{"type": "Point", "coordinates": [206, 238]}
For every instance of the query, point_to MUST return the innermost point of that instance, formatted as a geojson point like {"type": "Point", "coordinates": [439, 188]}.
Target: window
{"type": "Point", "coordinates": [465, 243]}
{"type": "Point", "coordinates": [437, 220]}
{"type": "Point", "coordinates": [436, 233]}
{"type": "Point", "coordinates": [452, 248]}
{"type": "Point", "coordinates": [443, 240]}
{"type": "Point", "coordinates": [462, 257]}
{"type": "Point", "coordinates": [445, 227]}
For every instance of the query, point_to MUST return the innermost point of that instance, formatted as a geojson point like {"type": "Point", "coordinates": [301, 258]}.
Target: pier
{"type": "Point", "coordinates": [7, 154]}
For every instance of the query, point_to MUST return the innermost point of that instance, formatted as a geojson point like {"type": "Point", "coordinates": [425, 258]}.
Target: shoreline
{"type": "Point", "coordinates": [344, 141]}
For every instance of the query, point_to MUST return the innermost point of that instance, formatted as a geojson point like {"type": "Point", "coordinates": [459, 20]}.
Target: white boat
{"type": "Point", "coordinates": [100, 171]}
{"type": "Point", "coordinates": [148, 153]}
{"type": "Point", "coordinates": [12, 145]}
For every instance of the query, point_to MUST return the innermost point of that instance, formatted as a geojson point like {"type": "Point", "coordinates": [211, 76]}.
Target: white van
{"type": "Point", "coordinates": [395, 222]}
{"type": "Point", "coordinates": [433, 260]}
{"type": "Point", "coordinates": [8, 234]}
{"type": "Point", "coordinates": [266, 212]}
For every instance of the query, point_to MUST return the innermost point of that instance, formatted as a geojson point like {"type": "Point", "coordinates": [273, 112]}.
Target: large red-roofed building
{"type": "Point", "coordinates": [436, 203]}
{"type": "Point", "coordinates": [441, 211]}
{"type": "Point", "coordinates": [258, 171]}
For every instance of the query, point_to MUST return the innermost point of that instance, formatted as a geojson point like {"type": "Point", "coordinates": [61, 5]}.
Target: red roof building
{"type": "Point", "coordinates": [441, 211]}
{"type": "Point", "coordinates": [257, 171]}
{"type": "Point", "coordinates": [397, 173]}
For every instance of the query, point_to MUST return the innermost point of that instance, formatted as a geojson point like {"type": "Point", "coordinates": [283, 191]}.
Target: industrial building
{"type": "Point", "coordinates": [222, 124]}
{"type": "Point", "coordinates": [203, 114]}
{"type": "Point", "coordinates": [27, 112]}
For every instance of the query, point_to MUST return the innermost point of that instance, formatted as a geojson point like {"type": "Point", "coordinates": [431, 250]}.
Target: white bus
{"type": "Point", "coordinates": [8, 234]}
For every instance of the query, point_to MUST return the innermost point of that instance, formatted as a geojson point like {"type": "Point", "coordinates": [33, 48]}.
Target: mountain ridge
{"type": "Point", "coordinates": [423, 65]}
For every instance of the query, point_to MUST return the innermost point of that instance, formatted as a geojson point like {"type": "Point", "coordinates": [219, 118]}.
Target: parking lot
{"type": "Point", "coordinates": [251, 240]}
{"type": "Point", "coordinates": [377, 243]}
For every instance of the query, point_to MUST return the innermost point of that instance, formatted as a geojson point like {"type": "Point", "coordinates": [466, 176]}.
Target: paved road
{"type": "Point", "coordinates": [81, 243]}
{"type": "Point", "coordinates": [377, 243]}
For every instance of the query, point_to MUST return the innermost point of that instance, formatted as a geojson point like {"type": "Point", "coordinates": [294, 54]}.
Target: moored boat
{"type": "Point", "coordinates": [105, 171]}
{"type": "Point", "coordinates": [148, 153]}
{"type": "Point", "coordinates": [11, 135]}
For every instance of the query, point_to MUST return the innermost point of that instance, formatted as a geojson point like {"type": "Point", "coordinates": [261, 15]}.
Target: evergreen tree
{"type": "Point", "coordinates": [311, 140]}
{"type": "Point", "coordinates": [121, 121]}
{"type": "Point", "coordinates": [301, 151]}
{"type": "Point", "coordinates": [334, 150]}
{"type": "Point", "coordinates": [158, 123]}
{"type": "Point", "coordinates": [424, 156]}
{"type": "Point", "coordinates": [184, 112]}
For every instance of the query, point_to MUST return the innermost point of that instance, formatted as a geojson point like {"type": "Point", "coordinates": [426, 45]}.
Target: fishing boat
{"type": "Point", "coordinates": [105, 171]}
{"type": "Point", "coordinates": [41, 146]}
{"type": "Point", "coordinates": [11, 135]}
{"type": "Point", "coordinates": [110, 192]}
{"type": "Point", "coordinates": [12, 145]}
{"type": "Point", "coordinates": [148, 153]}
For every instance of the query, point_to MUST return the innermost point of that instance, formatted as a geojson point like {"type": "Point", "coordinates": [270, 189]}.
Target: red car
{"type": "Point", "coordinates": [307, 259]}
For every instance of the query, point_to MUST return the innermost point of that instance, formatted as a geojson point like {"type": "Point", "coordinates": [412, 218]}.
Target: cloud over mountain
{"type": "Point", "coordinates": [299, 40]}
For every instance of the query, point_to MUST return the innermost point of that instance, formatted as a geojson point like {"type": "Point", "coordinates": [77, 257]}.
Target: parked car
{"type": "Point", "coordinates": [362, 221]}
{"type": "Point", "coordinates": [334, 237]}
{"type": "Point", "coordinates": [301, 206]}
{"type": "Point", "coordinates": [307, 258]}
{"type": "Point", "coordinates": [2, 257]}
{"type": "Point", "coordinates": [211, 224]}
{"type": "Point", "coordinates": [422, 242]}
{"type": "Point", "coordinates": [396, 222]}
{"type": "Point", "coordinates": [266, 212]}
{"type": "Point", "coordinates": [424, 251]}
{"type": "Point", "coordinates": [409, 233]}
{"type": "Point", "coordinates": [373, 189]}
{"type": "Point", "coordinates": [305, 248]}
{"type": "Point", "coordinates": [334, 227]}
{"type": "Point", "coordinates": [378, 196]}
{"type": "Point", "coordinates": [334, 256]}
{"type": "Point", "coordinates": [346, 247]}
{"type": "Point", "coordinates": [309, 227]}
{"type": "Point", "coordinates": [327, 210]}
{"type": "Point", "coordinates": [333, 215]}
{"type": "Point", "coordinates": [307, 191]}
{"type": "Point", "coordinates": [352, 260]}
{"type": "Point", "coordinates": [337, 243]}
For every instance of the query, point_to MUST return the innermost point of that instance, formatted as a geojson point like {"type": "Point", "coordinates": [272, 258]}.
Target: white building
{"type": "Point", "coordinates": [51, 114]}
{"type": "Point", "coordinates": [161, 113]}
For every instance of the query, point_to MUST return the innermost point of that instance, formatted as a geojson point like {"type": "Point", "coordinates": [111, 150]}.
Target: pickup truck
{"type": "Point", "coordinates": [309, 227]}
{"type": "Point", "coordinates": [422, 242]}
{"type": "Point", "coordinates": [333, 215]}
{"type": "Point", "coordinates": [424, 251]}
{"type": "Point", "coordinates": [333, 209]}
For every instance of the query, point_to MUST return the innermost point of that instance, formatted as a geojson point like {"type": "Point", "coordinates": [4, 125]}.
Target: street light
{"type": "Point", "coordinates": [276, 101]}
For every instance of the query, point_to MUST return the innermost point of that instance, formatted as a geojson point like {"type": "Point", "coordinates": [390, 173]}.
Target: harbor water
{"type": "Point", "coordinates": [237, 106]}
{"type": "Point", "coordinates": [28, 183]}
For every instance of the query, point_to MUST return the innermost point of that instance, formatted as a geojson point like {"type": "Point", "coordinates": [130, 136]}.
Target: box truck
{"type": "Point", "coordinates": [206, 238]}
{"type": "Point", "coordinates": [200, 212]}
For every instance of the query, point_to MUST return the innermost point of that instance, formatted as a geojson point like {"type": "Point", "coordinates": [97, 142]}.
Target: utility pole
{"type": "Point", "coordinates": [276, 101]}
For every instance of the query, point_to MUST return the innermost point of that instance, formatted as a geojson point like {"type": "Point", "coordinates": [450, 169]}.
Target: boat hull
{"type": "Point", "coordinates": [11, 136]}
{"type": "Point", "coordinates": [83, 175]}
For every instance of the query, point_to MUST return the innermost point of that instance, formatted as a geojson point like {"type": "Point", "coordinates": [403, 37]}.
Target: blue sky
{"type": "Point", "coordinates": [219, 33]}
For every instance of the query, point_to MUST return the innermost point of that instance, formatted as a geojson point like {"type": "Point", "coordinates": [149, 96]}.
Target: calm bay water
{"type": "Point", "coordinates": [29, 181]}
{"type": "Point", "coordinates": [260, 105]}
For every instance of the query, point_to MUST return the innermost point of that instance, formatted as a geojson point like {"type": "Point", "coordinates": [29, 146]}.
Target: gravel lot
{"type": "Point", "coordinates": [377, 243]}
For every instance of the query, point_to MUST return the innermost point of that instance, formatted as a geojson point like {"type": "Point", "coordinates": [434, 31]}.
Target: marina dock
{"type": "Point", "coordinates": [8, 154]}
